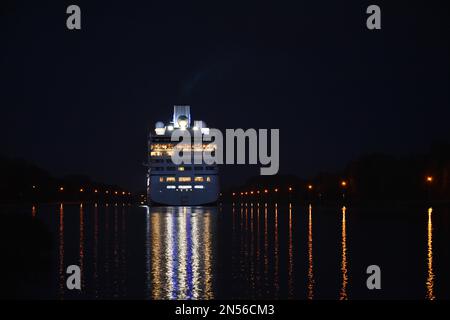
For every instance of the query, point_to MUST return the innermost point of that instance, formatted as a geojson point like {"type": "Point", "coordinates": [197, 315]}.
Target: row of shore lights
{"type": "Point", "coordinates": [343, 184]}
{"type": "Point", "coordinates": [83, 190]}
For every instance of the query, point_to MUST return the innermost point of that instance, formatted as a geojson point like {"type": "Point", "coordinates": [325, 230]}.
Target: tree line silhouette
{"type": "Point", "coordinates": [22, 181]}
{"type": "Point", "coordinates": [375, 178]}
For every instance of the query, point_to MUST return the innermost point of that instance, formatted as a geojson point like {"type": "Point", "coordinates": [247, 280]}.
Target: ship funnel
{"type": "Point", "coordinates": [182, 114]}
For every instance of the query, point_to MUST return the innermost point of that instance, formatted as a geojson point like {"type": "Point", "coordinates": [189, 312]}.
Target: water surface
{"type": "Point", "coordinates": [245, 250]}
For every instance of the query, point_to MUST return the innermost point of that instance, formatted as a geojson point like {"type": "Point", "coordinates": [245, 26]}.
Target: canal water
{"type": "Point", "coordinates": [240, 251]}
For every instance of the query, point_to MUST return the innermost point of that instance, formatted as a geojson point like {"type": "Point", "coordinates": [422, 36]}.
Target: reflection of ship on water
{"type": "Point", "coordinates": [180, 252]}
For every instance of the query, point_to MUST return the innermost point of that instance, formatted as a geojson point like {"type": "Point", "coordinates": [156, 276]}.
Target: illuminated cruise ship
{"type": "Point", "coordinates": [183, 184]}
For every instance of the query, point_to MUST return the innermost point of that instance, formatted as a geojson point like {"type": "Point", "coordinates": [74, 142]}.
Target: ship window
{"type": "Point", "coordinates": [158, 168]}
{"type": "Point", "coordinates": [184, 179]}
{"type": "Point", "coordinates": [170, 179]}
{"type": "Point", "coordinates": [208, 179]}
{"type": "Point", "coordinates": [187, 168]}
{"type": "Point", "coordinates": [170, 168]}
{"type": "Point", "coordinates": [198, 179]}
{"type": "Point", "coordinates": [161, 179]}
{"type": "Point", "coordinates": [198, 168]}
{"type": "Point", "coordinates": [180, 168]}
{"type": "Point", "coordinates": [210, 168]}
{"type": "Point", "coordinates": [161, 146]}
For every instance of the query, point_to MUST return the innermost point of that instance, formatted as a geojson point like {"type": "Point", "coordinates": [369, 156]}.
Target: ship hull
{"type": "Point", "coordinates": [158, 204]}
{"type": "Point", "coordinates": [184, 197]}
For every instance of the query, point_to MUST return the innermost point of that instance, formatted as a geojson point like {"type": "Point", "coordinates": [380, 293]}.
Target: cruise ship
{"type": "Point", "coordinates": [183, 184]}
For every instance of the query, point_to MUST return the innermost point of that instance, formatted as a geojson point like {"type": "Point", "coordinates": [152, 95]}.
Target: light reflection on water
{"type": "Point", "coordinates": [267, 251]}
{"type": "Point", "coordinates": [276, 255]}
{"type": "Point", "coordinates": [61, 268]}
{"type": "Point", "coordinates": [343, 293]}
{"type": "Point", "coordinates": [430, 273]}
{"type": "Point", "coordinates": [95, 252]}
{"type": "Point", "coordinates": [182, 256]}
{"type": "Point", "coordinates": [291, 257]}
{"type": "Point", "coordinates": [81, 261]}
{"type": "Point", "coordinates": [310, 256]}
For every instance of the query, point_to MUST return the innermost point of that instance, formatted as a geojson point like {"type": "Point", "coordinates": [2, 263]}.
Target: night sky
{"type": "Point", "coordinates": [84, 101]}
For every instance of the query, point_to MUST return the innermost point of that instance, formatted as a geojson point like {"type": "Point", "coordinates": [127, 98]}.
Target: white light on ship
{"type": "Point", "coordinates": [170, 187]}
{"type": "Point", "coordinates": [199, 187]}
{"type": "Point", "coordinates": [183, 122]}
{"type": "Point", "coordinates": [170, 128]}
{"type": "Point", "coordinates": [185, 187]}
{"type": "Point", "coordinates": [195, 128]}
{"type": "Point", "coordinates": [160, 129]}
{"type": "Point", "coordinates": [205, 130]}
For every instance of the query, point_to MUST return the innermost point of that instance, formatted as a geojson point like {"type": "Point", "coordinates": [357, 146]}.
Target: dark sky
{"type": "Point", "coordinates": [84, 101]}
